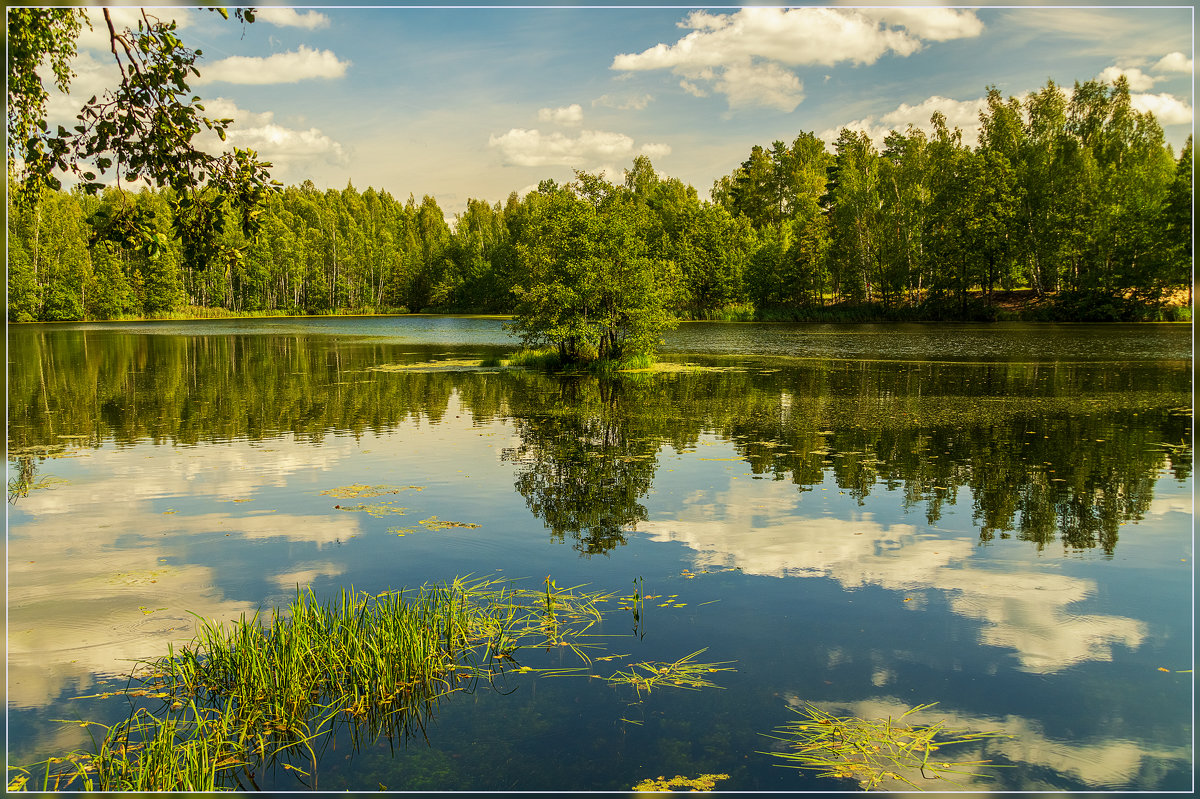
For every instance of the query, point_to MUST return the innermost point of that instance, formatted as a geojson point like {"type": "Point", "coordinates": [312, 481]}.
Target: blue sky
{"type": "Point", "coordinates": [480, 102]}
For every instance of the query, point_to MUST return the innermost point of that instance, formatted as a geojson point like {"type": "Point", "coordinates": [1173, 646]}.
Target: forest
{"type": "Point", "coordinates": [1072, 196]}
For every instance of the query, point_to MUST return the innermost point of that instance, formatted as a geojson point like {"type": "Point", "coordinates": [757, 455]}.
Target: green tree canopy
{"type": "Point", "coordinates": [144, 129]}
{"type": "Point", "coordinates": [590, 286]}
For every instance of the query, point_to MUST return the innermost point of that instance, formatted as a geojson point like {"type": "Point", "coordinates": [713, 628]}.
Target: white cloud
{"type": "Point", "coordinates": [1138, 81]}
{"type": "Point", "coordinates": [1173, 62]}
{"type": "Point", "coordinates": [768, 85]}
{"type": "Point", "coordinates": [122, 18]}
{"type": "Point", "coordinates": [568, 115]}
{"type": "Point", "coordinates": [520, 147]}
{"type": "Point", "coordinates": [631, 103]}
{"type": "Point", "coordinates": [692, 89]}
{"type": "Point", "coordinates": [1167, 110]}
{"type": "Point", "coordinates": [934, 24]}
{"type": "Point", "coordinates": [747, 54]}
{"type": "Point", "coordinates": [291, 18]}
{"type": "Point", "coordinates": [962, 114]}
{"type": "Point", "coordinates": [798, 37]}
{"type": "Point", "coordinates": [654, 150]}
{"type": "Point", "coordinates": [291, 67]}
{"type": "Point", "coordinates": [286, 148]}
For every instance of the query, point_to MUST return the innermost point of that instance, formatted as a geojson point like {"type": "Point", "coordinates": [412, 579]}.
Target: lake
{"type": "Point", "coordinates": [993, 518]}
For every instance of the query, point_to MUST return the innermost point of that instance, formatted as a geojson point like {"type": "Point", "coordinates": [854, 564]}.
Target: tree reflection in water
{"type": "Point", "coordinates": [1045, 452]}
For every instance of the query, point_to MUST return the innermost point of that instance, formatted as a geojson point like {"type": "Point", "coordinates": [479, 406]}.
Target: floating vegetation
{"type": "Point", "coordinates": [20, 486]}
{"type": "Point", "coordinates": [264, 692]}
{"type": "Point", "coordinates": [434, 523]}
{"type": "Point", "coordinates": [445, 365]}
{"type": "Point", "coordinates": [703, 782]}
{"type": "Point", "coordinates": [363, 491]}
{"type": "Point", "coordinates": [683, 673]}
{"type": "Point", "coordinates": [876, 752]}
{"type": "Point", "coordinates": [378, 510]}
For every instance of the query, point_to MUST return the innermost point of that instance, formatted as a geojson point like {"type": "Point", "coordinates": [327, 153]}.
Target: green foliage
{"type": "Point", "coordinates": [266, 692]}
{"type": "Point", "coordinates": [591, 288]}
{"type": "Point", "coordinates": [1077, 196]}
{"type": "Point", "coordinates": [142, 129]}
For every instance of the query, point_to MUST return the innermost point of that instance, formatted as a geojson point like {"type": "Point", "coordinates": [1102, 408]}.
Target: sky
{"type": "Point", "coordinates": [479, 102]}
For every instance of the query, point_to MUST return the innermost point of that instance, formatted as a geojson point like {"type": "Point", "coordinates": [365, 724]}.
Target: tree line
{"type": "Point", "coordinates": [1072, 195]}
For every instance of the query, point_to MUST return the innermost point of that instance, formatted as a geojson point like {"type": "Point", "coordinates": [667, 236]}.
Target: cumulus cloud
{"type": "Point", "coordinates": [520, 147]}
{"type": "Point", "coordinates": [284, 147]}
{"type": "Point", "coordinates": [768, 85]}
{"type": "Point", "coordinates": [963, 114]}
{"type": "Point", "coordinates": [934, 24]}
{"type": "Point", "coordinates": [1173, 62]}
{"type": "Point", "coordinates": [1138, 81]}
{"type": "Point", "coordinates": [291, 67]}
{"type": "Point", "coordinates": [747, 55]}
{"type": "Point", "coordinates": [291, 18]}
{"type": "Point", "coordinates": [568, 115]}
{"type": "Point", "coordinates": [654, 150]}
{"type": "Point", "coordinates": [1168, 110]}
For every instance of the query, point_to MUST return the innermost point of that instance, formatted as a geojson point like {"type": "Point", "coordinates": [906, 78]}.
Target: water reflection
{"type": "Point", "coordinates": [584, 462]}
{"type": "Point", "coordinates": [98, 541]}
{"type": "Point", "coordinates": [180, 453]}
{"type": "Point", "coordinates": [1046, 452]}
{"type": "Point", "coordinates": [767, 530]}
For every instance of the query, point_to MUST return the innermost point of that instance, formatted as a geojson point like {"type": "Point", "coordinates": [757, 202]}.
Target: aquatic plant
{"type": "Point", "coordinates": [876, 752]}
{"type": "Point", "coordinates": [701, 782]}
{"type": "Point", "coordinates": [263, 692]}
{"type": "Point", "coordinates": [682, 673]}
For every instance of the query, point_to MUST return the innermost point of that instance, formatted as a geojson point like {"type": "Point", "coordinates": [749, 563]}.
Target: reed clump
{"type": "Point", "coordinates": [261, 691]}
{"type": "Point", "coordinates": [876, 752]}
{"type": "Point", "coordinates": [266, 691]}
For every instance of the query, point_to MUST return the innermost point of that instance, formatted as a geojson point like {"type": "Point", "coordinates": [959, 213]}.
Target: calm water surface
{"type": "Point", "coordinates": [994, 518]}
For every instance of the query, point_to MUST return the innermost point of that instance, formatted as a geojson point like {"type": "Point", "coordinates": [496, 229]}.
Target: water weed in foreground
{"type": "Point", "coordinates": [262, 694]}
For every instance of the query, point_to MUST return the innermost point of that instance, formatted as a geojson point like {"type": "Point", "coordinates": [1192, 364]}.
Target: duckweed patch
{"type": "Point", "coordinates": [378, 510]}
{"type": "Point", "coordinates": [702, 782]}
{"type": "Point", "coordinates": [434, 523]}
{"type": "Point", "coordinates": [445, 365]}
{"type": "Point", "coordinates": [363, 491]}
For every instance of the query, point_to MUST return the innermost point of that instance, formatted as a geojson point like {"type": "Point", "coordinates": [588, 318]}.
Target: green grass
{"type": "Point", "coordinates": [876, 752]}
{"type": "Point", "coordinates": [265, 691]}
